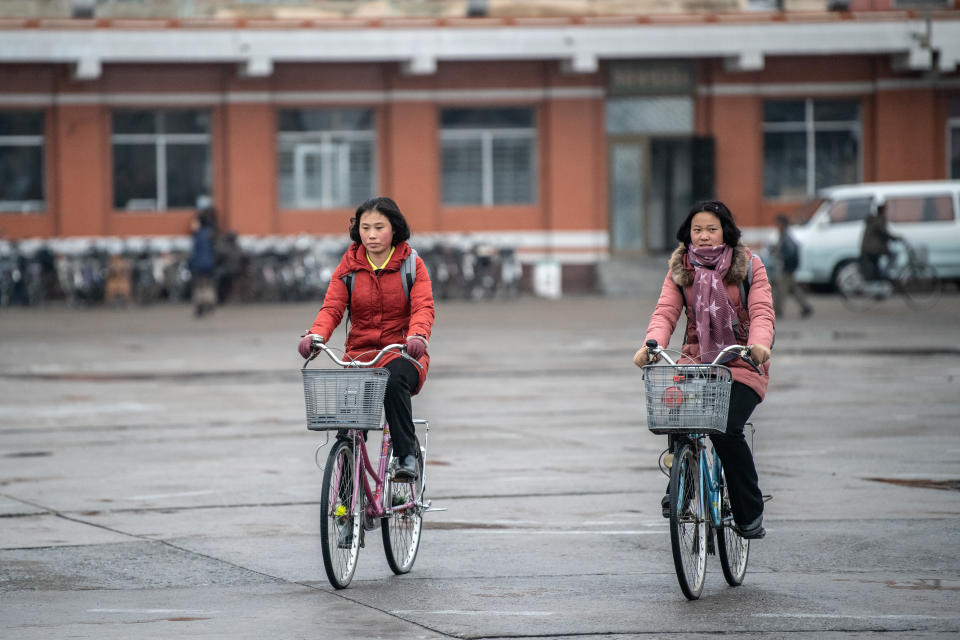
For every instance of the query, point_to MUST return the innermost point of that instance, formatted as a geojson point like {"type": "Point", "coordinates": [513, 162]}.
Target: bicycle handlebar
{"type": "Point", "coordinates": [317, 346]}
{"type": "Point", "coordinates": [743, 352]}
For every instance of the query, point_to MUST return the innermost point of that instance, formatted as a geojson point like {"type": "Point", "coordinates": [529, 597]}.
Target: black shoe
{"type": "Point", "coordinates": [665, 505]}
{"type": "Point", "coordinates": [806, 313]}
{"type": "Point", "coordinates": [754, 531]}
{"type": "Point", "coordinates": [406, 470]}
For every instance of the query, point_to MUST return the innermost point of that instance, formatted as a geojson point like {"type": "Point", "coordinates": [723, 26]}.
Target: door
{"type": "Point", "coordinates": [628, 177]}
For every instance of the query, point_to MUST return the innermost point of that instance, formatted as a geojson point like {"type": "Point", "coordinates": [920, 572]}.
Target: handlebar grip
{"type": "Point", "coordinates": [651, 344]}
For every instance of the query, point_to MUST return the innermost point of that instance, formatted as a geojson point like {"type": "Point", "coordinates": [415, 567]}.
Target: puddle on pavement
{"type": "Point", "coordinates": [922, 483]}
{"type": "Point", "coordinates": [920, 584]}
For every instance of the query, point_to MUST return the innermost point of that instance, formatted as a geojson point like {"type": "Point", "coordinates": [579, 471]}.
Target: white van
{"type": "Point", "coordinates": [926, 214]}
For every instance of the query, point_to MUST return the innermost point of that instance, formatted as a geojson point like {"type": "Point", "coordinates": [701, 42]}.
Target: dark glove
{"type": "Point", "coordinates": [306, 344]}
{"type": "Point", "coordinates": [416, 346]}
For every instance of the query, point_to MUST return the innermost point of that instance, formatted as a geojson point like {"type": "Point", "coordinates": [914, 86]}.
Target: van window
{"type": "Point", "coordinates": [850, 210]}
{"type": "Point", "coordinates": [920, 209]}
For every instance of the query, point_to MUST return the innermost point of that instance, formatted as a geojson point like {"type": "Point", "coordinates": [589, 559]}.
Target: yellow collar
{"type": "Point", "coordinates": [375, 267]}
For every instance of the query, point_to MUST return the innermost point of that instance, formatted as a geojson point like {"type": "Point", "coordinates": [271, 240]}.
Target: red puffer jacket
{"type": "Point", "coordinates": [379, 311]}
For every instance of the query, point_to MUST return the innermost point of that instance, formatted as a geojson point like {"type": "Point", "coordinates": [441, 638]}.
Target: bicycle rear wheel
{"type": "Point", "coordinates": [401, 530]}
{"type": "Point", "coordinates": [733, 549]}
{"type": "Point", "coordinates": [921, 286]}
{"type": "Point", "coordinates": [688, 527]}
{"type": "Point", "coordinates": [340, 525]}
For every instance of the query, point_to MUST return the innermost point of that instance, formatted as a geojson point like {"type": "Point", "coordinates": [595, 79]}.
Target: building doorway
{"type": "Point", "coordinates": [653, 183]}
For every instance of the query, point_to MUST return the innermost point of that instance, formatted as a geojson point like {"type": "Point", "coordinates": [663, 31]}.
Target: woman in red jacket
{"type": "Point", "coordinates": [381, 314]}
{"type": "Point", "coordinates": [706, 272]}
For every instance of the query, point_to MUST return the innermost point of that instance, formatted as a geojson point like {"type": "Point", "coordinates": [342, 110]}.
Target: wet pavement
{"type": "Point", "coordinates": [156, 481]}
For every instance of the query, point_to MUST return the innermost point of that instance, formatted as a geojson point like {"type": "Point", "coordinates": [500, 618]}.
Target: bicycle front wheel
{"type": "Point", "coordinates": [855, 290]}
{"type": "Point", "coordinates": [401, 529]}
{"type": "Point", "coordinates": [340, 525]}
{"type": "Point", "coordinates": [733, 549]}
{"type": "Point", "coordinates": [921, 286]}
{"type": "Point", "coordinates": [688, 527]}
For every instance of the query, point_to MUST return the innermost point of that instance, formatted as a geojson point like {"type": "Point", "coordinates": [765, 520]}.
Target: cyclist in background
{"type": "Point", "coordinates": [876, 243]}
{"type": "Point", "coordinates": [704, 281]}
{"type": "Point", "coordinates": [380, 314]}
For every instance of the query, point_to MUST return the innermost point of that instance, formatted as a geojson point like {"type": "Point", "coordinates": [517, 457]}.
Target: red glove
{"type": "Point", "coordinates": [306, 345]}
{"type": "Point", "coordinates": [416, 346]}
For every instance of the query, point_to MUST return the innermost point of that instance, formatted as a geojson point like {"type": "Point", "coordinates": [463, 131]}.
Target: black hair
{"type": "Point", "coordinates": [731, 234]}
{"type": "Point", "coordinates": [386, 207]}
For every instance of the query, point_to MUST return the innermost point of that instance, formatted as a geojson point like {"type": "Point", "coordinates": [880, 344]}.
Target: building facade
{"type": "Point", "coordinates": [571, 138]}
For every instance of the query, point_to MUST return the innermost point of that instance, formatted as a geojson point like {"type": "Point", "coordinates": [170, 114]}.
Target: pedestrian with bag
{"type": "Point", "coordinates": [723, 290]}
{"type": "Point", "coordinates": [203, 262]}
{"type": "Point", "coordinates": [384, 287]}
{"type": "Point", "coordinates": [787, 254]}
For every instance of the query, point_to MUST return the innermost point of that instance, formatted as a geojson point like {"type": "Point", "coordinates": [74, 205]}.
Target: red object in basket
{"type": "Point", "coordinates": [672, 397]}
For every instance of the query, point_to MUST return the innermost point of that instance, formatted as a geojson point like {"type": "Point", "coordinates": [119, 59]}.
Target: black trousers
{"type": "Point", "coordinates": [737, 459]}
{"type": "Point", "coordinates": [397, 408]}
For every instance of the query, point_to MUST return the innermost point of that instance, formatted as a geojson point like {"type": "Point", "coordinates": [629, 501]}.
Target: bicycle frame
{"type": "Point", "coordinates": [363, 471]}
{"type": "Point", "coordinates": [709, 478]}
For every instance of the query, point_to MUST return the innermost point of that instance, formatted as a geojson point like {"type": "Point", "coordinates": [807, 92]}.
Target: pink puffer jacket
{"type": "Point", "coordinates": [758, 315]}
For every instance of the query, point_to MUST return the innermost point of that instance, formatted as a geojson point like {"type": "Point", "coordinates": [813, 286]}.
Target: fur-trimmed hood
{"type": "Point", "coordinates": [681, 271]}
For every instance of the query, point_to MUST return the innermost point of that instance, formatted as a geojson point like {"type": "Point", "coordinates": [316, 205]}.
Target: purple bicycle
{"type": "Point", "coordinates": [358, 496]}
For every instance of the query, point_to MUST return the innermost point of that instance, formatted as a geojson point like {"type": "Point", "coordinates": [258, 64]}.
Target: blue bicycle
{"type": "Point", "coordinates": [689, 402]}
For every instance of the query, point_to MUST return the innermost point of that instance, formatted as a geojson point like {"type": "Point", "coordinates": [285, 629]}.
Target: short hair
{"type": "Point", "coordinates": [731, 234]}
{"type": "Point", "coordinates": [386, 207]}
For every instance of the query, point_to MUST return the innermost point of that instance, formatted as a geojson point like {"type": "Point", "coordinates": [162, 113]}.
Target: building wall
{"type": "Point", "coordinates": [903, 138]}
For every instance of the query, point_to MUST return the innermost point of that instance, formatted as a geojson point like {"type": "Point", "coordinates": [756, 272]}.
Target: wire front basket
{"type": "Point", "coordinates": [687, 398]}
{"type": "Point", "coordinates": [344, 398]}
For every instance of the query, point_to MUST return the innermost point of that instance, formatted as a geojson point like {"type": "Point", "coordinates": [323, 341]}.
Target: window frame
{"type": "Point", "coordinates": [160, 141]}
{"type": "Point", "coordinates": [953, 127]}
{"type": "Point", "coordinates": [810, 127]}
{"type": "Point", "coordinates": [487, 136]}
{"type": "Point", "coordinates": [323, 141]}
{"type": "Point", "coordinates": [29, 140]}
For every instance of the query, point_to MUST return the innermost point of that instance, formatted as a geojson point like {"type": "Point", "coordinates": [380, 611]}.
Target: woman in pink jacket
{"type": "Point", "coordinates": [704, 281]}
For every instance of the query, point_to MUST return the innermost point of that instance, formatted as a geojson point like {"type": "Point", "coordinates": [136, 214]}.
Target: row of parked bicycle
{"type": "Point", "coordinates": [121, 271]}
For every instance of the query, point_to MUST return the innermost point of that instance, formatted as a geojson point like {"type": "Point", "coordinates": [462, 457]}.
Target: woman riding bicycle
{"type": "Point", "coordinates": [369, 284]}
{"type": "Point", "coordinates": [705, 279]}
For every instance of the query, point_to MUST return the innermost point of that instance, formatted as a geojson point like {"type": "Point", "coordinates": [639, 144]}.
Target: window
{"type": "Point", "coordinates": [850, 210]}
{"type": "Point", "coordinates": [161, 159]}
{"type": "Point", "coordinates": [809, 144]}
{"type": "Point", "coordinates": [920, 209]}
{"type": "Point", "coordinates": [325, 157]}
{"type": "Point", "coordinates": [21, 161]}
{"type": "Point", "coordinates": [488, 156]}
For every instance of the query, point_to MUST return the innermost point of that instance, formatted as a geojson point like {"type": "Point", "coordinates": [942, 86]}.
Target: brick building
{"type": "Point", "coordinates": [574, 136]}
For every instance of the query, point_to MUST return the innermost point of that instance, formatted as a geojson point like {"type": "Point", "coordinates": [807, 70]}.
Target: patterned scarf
{"type": "Point", "coordinates": [711, 304]}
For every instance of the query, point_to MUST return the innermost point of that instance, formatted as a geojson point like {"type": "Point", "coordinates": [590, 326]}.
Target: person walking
{"type": "Point", "coordinates": [787, 254]}
{"type": "Point", "coordinates": [706, 279]}
{"type": "Point", "coordinates": [369, 284]}
{"type": "Point", "coordinates": [203, 262]}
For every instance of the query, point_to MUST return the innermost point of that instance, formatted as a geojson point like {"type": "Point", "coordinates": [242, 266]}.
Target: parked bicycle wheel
{"type": "Point", "coordinates": [857, 292]}
{"type": "Point", "coordinates": [733, 549]}
{"type": "Point", "coordinates": [340, 525]}
{"type": "Point", "coordinates": [921, 286]}
{"type": "Point", "coordinates": [688, 527]}
{"type": "Point", "coordinates": [401, 530]}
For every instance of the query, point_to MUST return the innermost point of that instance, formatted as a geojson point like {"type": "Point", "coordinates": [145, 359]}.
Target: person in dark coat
{"type": "Point", "coordinates": [876, 243]}
{"type": "Point", "coordinates": [203, 263]}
